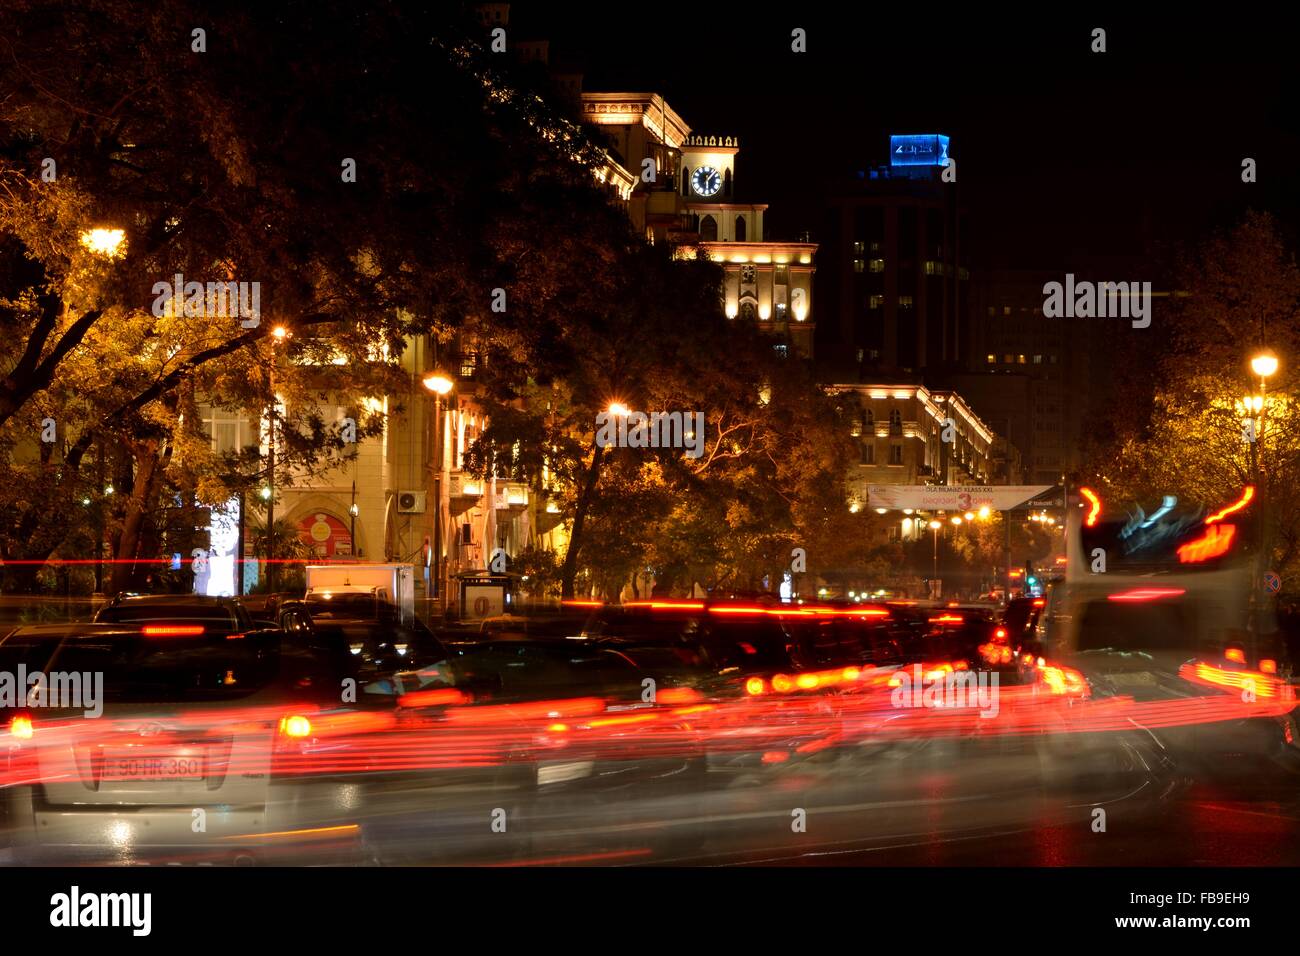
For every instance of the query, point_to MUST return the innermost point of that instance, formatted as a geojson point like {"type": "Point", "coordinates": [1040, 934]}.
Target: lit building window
{"type": "Point", "coordinates": [877, 265]}
{"type": "Point", "coordinates": [858, 265]}
{"type": "Point", "coordinates": [1006, 310]}
{"type": "Point", "coordinates": [1008, 359]}
{"type": "Point", "coordinates": [992, 358]}
{"type": "Point", "coordinates": [875, 302]}
{"type": "Point", "coordinates": [1038, 360]}
{"type": "Point", "coordinates": [904, 301]}
{"type": "Point", "coordinates": [1020, 359]}
{"type": "Point", "coordinates": [859, 248]}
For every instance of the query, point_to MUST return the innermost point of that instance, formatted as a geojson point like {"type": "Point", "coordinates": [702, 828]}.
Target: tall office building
{"type": "Point", "coordinates": [892, 286]}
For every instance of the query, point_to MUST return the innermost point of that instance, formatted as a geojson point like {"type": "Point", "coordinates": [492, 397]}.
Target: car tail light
{"type": "Point", "coordinates": [441, 697]}
{"type": "Point", "coordinates": [755, 686]}
{"type": "Point", "coordinates": [1235, 654]}
{"type": "Point", "coordinates": [678, 695]}
{"type": "Point", "coordinates": [1063, 680]}
{"type": "Point", "coordinates": [295, 726]}
{"type": "Point", "coordinates": [172, 630]}
{"type": "Point", "coordinates": [1268, 666]}
{"type": "Point", "coordinates": [1146, 594]}
{"type": "Point", "coordinates": [1263, 685]}
{"type": "Point", "coordinates": [21, 727]}
{"type": "Point", "coordinates": [1000, 633]}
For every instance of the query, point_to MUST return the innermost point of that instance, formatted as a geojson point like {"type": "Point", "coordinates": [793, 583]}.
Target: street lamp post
{"type": "Point", "coordinates": [279, 334]}
{"type": "Point", "coordinates": [1264, 364]}
{"type": "Point", "coordinates": [440, 384]}
{"type": "Point", "coordinates": [934, 527]}
{"type": "Point", "coordinates": [353, 511]}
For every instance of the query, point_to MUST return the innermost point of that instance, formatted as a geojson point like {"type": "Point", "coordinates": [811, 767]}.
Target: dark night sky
{"type": "Point", "coordinates": [1063, 154]}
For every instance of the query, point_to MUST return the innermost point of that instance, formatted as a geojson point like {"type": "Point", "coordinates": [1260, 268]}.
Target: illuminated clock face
{"type": "Point", "coordinates": [706, 181]}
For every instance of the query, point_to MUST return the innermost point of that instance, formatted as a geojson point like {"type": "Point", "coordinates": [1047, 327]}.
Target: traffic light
{"type": "Point", "coordinates": [1030, 579]}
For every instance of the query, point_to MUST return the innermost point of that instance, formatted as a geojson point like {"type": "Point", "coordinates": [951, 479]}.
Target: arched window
{"type": "Point", "coordinates": [740, 228]}
{"type": "Point", "coordinates": [709, 229]}
{"type": "Point", "coordinates": [895, 422]}
{"type": "Point", "coordinates": [726, 183]}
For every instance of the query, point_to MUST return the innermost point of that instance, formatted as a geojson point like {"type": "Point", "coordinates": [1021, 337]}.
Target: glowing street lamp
{"type": "Point", "coordinates": [439, 383]}
{"type": "Point", "coordinates": [104, 242]}
{"type": "Point", "coordinates": [1264, 364]}
{"type": "Point", "coordinates": [617, 409]}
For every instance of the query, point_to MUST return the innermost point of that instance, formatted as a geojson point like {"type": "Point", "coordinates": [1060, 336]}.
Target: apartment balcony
{"type": "Point", "coordinates": [463, 488]}
{"type": "Point", "coordinates": [510, 496]}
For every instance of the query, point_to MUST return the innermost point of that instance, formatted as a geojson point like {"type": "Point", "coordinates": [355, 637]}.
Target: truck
{"type": "Point", "coordinates": [369, 591]}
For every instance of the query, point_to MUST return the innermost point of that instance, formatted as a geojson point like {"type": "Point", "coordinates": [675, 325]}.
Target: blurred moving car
{"type": "Point", "coordinates": [178, 611]}
{"type": "Point", "coordinates": [184, 754]}
{"type": "Point", "coordinates": [373, 632]}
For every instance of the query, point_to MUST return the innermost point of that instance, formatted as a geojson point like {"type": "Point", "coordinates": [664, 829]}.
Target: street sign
{"type": "Point", "coordinates": [1273, 582]}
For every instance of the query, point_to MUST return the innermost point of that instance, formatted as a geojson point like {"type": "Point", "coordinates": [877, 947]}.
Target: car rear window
{"type": "Point", "coordinates": [28, 650]}
{"type": "Point", "coordinates": [143, 613]}
{"type": "Point", "coordinates": [173, 670]}
{"type": "Point", "coordinates": [528, 672]}
{"type": "Point", "coordinates": [1135, 626]}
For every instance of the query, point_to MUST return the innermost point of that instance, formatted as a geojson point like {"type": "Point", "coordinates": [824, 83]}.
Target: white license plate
{"type": "Point", "coordinates": [548, 772]}
{"type": "Point", "coordinates": [155, 766]}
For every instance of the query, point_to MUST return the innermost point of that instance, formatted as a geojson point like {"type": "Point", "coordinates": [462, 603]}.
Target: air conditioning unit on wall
{"type": "Point", "coordinates": [411, 502]}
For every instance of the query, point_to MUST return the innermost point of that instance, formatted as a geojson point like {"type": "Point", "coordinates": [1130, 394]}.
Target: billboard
{"type": "Point", "coordinates": [918, 149]}
{"type": "Point", "coordinates": [953, 497]}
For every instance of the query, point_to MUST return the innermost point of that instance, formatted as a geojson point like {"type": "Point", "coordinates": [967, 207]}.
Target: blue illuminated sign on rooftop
{"type": "Point", "coordinates": [918, 149]}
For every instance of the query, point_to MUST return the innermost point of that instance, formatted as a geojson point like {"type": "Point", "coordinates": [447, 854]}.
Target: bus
{"type": "Point", "coordinates": [1142, 595]}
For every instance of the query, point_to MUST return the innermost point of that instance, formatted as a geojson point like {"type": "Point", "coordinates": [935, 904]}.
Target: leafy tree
{"type": "Point", "coordinates": [1242, 294]}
